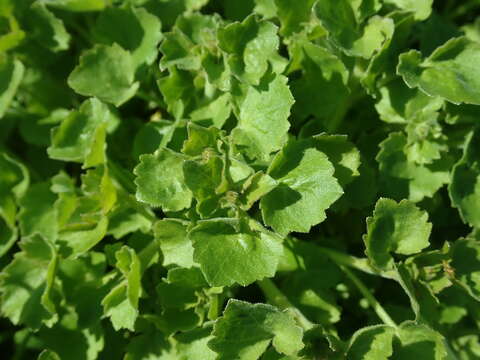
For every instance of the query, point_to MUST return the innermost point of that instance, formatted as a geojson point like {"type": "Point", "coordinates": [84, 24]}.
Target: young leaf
{"type": "Point", "coordinates": [401, 228]}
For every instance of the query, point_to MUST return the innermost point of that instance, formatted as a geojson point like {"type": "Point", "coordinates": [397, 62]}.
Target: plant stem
{"type": "Point", "coordinates": [356, 263]}
{"type": "Point", "coordinates": [213, 310]}
{"type": "Point", "coordinates": [277, 298]}
{"type": "Point", "coordinates": [20, 349]}
{"type": "Point", "coordinates": [377, 307]}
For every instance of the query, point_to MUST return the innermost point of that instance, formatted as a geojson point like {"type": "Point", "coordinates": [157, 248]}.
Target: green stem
{"type": "Point", "coordinates": [147, 254]}
{"type": "Point", "coordinates": [214, 306]}
{"type": "Point", "coordinates": [377, 307]}
{"type": "Point", "coordinates": [356, 263]}
{"type": "Point", "coordinates": [277, 298]}
{"type": "Point", "coordinates": [20, 349]}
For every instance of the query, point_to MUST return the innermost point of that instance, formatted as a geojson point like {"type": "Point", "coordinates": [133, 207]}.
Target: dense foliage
{"type": "Point", "coordinates": [226, 179]}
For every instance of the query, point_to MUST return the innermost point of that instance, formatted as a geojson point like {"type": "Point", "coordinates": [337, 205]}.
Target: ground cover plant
{"type": "Point", "coordinates": [255, 179]}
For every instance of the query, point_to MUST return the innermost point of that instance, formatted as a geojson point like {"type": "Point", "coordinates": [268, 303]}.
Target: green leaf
{"type": "Point", "coordinates": [121, 303]}
{"type": "Point", "coordinates": [11, 74]}
{"type": "Point", "coordinates": [401, 228]}
{"type": "Point", "coordinates": [251, 47]}
{"type": "Point", "coordinates": [199, 139]}
{"type": "Point", "coordinates": [77, 5]}
{"type": "Point", "coordinates": [423, 180]}
{"type": "Point", "coordinates": [263, 119]}
{"type": "Point", "coordinates": [47, 28]}
{"type": "Point", "coordinates": [148, 345]}
{"type": "Point", "coordinates": [348, 28]}
{"type": "Point", "coordinates": [246, 330]}
{"type": "Point", "coordinates": [266, 8]}
{"type": "Point", "coordinates": [151, 136]}
{"type": "Point", "coordinates": [409, 339]}
{"type": "Point", "coordinates": [465, 264]}
{"type": "Point", "coordinates": [255, 187]}
{"type": "Point", "coordinates": [324, 82]}
{"type": "Point", "coordinates": [306, 189]}
{"type": "Point", "coordinates": [310, 281]}
{"type": "Point", "coordinates": [129, 264]}
{"type": "Point", "coordinates": [205, 179]}
{"type": "Point", "coordinates": [421, 9]}
{"type": "Point", "coordinates": [185, 44]}
{"type": "Point", "coordinates": [174, 243]}
{"type": "Point", "coordinates": [74, 243]}
{"type": "Point", "coordinates": [26, 283]}
{"type": "Point", "coordinates": [14, 177]}
{"type": "Point", "coordinates": [48, 355]}
{"type": "Point", "coordinates": [373, 342]}
{"type": "Point", "coordinates": [399, 104]}
{"type": "Point", "coordinates": [14, 180]}
{"type": "Point", "coordinates": [343, 154]}
{"type": "Point", "coordinates": [83, 218]}
{"type": "Point", "coordinates": [215, 113]}
{"type": "Point", "coordinates": [191, 344]}
{"type": "Point", "coordinates": [293, 15]}
{"type": "Point", "coordinates": [81, 135]}
{"type": "Point", "coordinates": [464, 189]}
{"type": "Point", "coordinates": [419, 340]}
{"type": "Point", "coordinates": [106, 72]}
{"type": "Point", "coordinates": [126, 220]}
{"type": "Point", "coordinates": [77, 343]}
{"type": "Point", "coordinates": [181, 288]}
{"type": "Point", "coordinates": [447, 72]}
{"type": "Point", "coordinates": [135, 30]}
{"type": "Point", "coordinates": [160, 181]}
{"type": "Point", "coordinates": [37, 214]}
{"type": "Point", "coordinates": [227, 256]}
